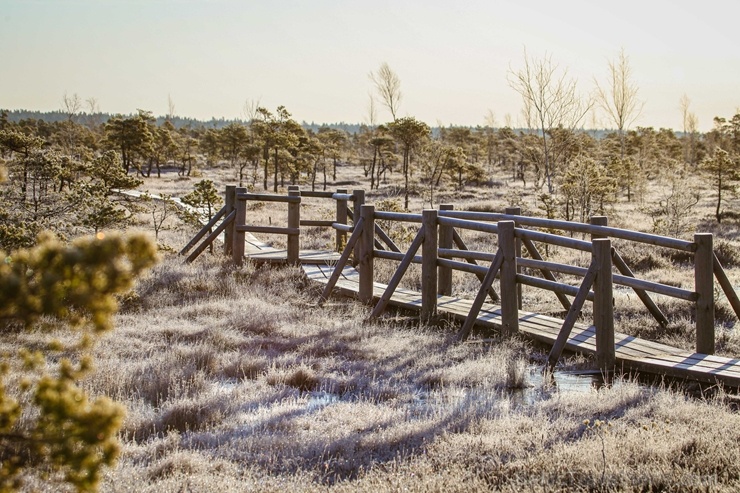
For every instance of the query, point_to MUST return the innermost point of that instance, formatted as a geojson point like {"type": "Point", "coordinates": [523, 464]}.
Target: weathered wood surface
{"type": "Point", "coordinates": [259, 251]}
{"type": "Point", "coordinates": [632, 353]}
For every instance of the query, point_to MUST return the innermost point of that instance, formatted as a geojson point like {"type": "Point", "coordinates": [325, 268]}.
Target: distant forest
{"type": "Point", "coordinates": [179, 122]}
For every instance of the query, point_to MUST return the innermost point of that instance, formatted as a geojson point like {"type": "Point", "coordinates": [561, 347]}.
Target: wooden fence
{"type": "Point", "coordinates": [235, 221]}
{"type": "Point", "coordinates": [443, 250]}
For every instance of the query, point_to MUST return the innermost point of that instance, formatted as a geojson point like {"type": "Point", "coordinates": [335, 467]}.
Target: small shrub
{"type": "Point", "coordinates": [189, 415]}
{"type": "Point", "coordinates": [642, 258]}
{"type": "Point", "coordinates": [727, 254]}
{"type": "Point", "coordinates": [247, 368]}
{"type": "Point", "coordinates": [482, 207]}
{"type": "Point", "coordinates": [303, 378]}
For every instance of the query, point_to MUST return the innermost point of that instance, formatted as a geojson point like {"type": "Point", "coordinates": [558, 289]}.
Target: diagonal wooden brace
{"type": "Point", "coordinates": [481, 296]}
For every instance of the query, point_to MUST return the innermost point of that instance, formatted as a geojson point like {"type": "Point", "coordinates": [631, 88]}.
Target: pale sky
{"type": "Point", "coordinates": [314, 56]}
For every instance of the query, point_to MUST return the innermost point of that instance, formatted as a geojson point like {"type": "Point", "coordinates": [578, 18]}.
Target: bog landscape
{"type": "Point", "coordinates": [127, 366]}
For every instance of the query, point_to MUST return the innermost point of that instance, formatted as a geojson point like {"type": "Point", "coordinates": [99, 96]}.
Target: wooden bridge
{"type": "Point", "coordinates": [439, 248]}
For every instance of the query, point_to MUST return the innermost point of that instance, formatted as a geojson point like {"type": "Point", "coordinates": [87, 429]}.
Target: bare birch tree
{"type": "Point", "coordinates": [170, 107]}
{"type": "Point", "coordinates": [550, 100]}
{"type": "Point", "coordinates": [388, 86]}
{"type": "Point", "coordinates": [372, 112]}
{"type": "Point", "coordinates": [618, 98]}
{"type": "Point", "coordinates": [690, 129]}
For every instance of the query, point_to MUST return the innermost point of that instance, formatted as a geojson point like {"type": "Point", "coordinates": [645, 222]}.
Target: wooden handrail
{"type": "Point", "coordinates": [398, 216]}
{"type": "Point", "coordinates": [606, 231]}
{"type": "Point", "coordinates": [557, 240]}
{"type": "Point", "coordinates": [263, 197]}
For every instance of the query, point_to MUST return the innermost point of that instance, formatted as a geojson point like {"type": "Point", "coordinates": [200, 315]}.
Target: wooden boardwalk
{"type": "Point", "coordinates": [261, 252]}
{"type": "Point", "coordinates": [633, 354]}
{"type": "Point", "coordinates": [440, 249]}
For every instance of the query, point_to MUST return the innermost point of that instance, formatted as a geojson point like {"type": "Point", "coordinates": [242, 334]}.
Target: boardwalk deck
{"type": "Point", "coordinates": [632, 353]}
{"type": "Point", "coordinates": [260, 252]}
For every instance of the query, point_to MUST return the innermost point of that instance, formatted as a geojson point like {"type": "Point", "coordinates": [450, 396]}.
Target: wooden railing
{"type": "Point", "coordinates": [438, 235]}
{"type": "Point", "coordinates": [440, 250]}
{"type": "Point", "coordinates": [235, 222]}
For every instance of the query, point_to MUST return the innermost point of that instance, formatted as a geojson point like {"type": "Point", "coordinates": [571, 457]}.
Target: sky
{"type": "Point", "coordinates": [211, 57]}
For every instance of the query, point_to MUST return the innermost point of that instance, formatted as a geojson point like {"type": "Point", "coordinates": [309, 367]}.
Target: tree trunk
{"type": "Point", "coordinates": [406, 179]}
{"type": "Point", "coordinates": [719, 198]}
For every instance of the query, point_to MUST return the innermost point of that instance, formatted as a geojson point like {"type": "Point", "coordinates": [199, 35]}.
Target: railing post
{"type": "Point", "coordinates": [341, 236]}
{"type": "Point", "coordinates": [367, 212]}
{"type": "Point", "coordinates": [444, 274]}
{"type": "Point", "coordinates": [604, 304]}
{"type": "Point", "coordinates": [429, 266]}
{"type": "Point", "coordinates": [517, 211]}
{"type": "Point", "coordinates": [509, 302]}
{"type": "Point", "coordinates": [294, 221]}
{"type": "Point", "coordinates": [229, 205]}
{"type": "Point", "coordinates": [597, 221]}
{"type": "Point", "coordinates": [357, 202]}
{"type": "Point", "coordinates": [704, 287]}
{"type": "Point", "coordinates": [237, 249]}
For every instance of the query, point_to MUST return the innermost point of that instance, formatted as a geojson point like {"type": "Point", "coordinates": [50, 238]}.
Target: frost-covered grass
{"type": "Point", "coordinates": [235, 380]}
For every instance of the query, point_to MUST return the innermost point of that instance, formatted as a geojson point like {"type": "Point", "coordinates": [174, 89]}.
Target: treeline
{"type": "Point", "coordinates": [16, 116]}
{"type": "Point", "coordinates": [65, 171]}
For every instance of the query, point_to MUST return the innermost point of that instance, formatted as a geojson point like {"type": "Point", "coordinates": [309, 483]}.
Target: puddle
{"type": "Point", "coordinates": [425, 403]}
{"type": "Point", "coordinates": [319, 400]}
{"type": "Point", "coordinates": [539, 387]}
